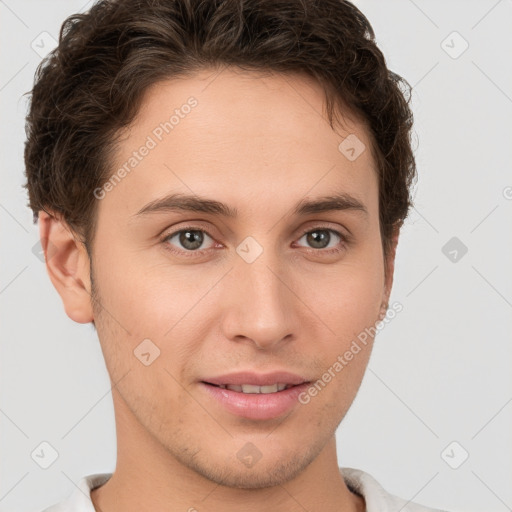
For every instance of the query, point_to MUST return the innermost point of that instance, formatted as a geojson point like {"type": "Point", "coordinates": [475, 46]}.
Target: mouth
{"type": "Point", "coordinates": [250, 389]}
{"type": "Point", "coordinates": [255, 402]}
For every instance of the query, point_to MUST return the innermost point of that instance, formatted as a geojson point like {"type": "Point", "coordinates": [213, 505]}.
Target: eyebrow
{"type": "Point", "coordinates": [194, 203]}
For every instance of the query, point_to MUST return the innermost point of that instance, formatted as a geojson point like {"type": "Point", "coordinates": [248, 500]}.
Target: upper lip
{"type": "Point", "coordinates": [257, 379]}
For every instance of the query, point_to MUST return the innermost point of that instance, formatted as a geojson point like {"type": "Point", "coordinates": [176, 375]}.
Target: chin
{"type": "Point", "coordinates": [252, 478]}
{"type": "Point", "coordinates": [264, 473]}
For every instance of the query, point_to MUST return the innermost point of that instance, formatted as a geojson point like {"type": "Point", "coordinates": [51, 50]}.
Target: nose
{"type": "Point", "coordinates": [259, 305]}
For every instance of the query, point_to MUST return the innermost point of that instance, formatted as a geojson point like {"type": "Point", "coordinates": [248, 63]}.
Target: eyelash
{"type": "Point", "coordinates": [343, 241]}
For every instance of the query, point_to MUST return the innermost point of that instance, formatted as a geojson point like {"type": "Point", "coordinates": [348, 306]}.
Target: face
{"type": "Point", "coordinates": [268, 285]}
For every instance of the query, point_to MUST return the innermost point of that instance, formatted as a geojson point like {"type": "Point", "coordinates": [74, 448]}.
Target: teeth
{"type": "Point", "coordinates": [250, 388]}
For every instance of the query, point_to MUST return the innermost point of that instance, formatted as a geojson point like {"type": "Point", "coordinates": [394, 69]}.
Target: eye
{"type": "Point", "coordinates": [190, 239]}
{"type": "Point", "coordinates": [320, 238]}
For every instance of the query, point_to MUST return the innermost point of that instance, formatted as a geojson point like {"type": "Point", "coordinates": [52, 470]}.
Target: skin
{"type": "Point", "coordinates": [295, 308]}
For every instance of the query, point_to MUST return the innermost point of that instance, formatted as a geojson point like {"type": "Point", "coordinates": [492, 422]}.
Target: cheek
{"type": "Point", "coordinates": [147, 298]}
{"type": "Point", "coordinates": [347, 298]}
{"type": "Point", "coordinates": [347, 301]}
{"type": "Point", "coordinates": [157, 303]}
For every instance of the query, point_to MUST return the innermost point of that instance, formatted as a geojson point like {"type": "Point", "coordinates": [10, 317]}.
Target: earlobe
{"type": "Point", "coordinates": [67, 264]}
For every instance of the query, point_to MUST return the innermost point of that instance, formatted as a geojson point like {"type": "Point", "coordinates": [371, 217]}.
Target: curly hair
{"type": "Point", "coordinates": [92, 85]}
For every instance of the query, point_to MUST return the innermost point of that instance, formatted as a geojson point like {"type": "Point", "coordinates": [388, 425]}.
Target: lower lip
{"type": "Point", "coordinates": [256, 406]}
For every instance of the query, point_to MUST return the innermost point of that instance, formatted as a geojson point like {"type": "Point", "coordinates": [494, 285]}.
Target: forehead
{"type": "Point", "coordinates": [244, 105]}
{"type": "Point", "coordinates": [239, 135]}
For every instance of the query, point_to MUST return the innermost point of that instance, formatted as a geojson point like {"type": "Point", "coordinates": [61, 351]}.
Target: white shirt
{"type": "Point", "coordinates": [359, 482]}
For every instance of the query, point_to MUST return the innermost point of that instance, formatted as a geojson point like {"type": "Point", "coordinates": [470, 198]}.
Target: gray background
{"type": "Point", "coordinates": [440, 371]}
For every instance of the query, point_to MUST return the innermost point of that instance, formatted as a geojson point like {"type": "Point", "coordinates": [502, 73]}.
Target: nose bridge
{"type": "Point", "coordinates": [261, 305]}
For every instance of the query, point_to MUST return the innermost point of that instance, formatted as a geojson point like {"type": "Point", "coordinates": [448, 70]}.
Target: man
{"type": "Point", "coordinates": [220, 188]}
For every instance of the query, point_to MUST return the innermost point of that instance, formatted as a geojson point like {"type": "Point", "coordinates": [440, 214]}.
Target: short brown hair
{"type": "Point", "coordinates": [91, 86]}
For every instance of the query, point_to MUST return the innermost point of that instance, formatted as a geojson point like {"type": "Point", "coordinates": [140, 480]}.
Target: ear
{"type": "Point", "coordinates": [390, 270]}
{"type": "Point", "coordinates": [67, 264]}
